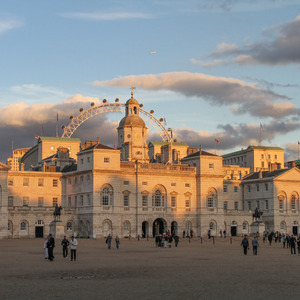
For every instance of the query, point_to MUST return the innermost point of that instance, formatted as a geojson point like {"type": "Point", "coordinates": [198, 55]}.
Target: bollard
{"type": "Point", "coordinates": [230, 240]}
{"type": "Point", "coordinates": [201, 239]}
{"type": "Point", "coordinates": [189, 239]}
{"type": "Point", "coordinates": [147, 237]}
{"type": "Point", "coordinates": [213, 240]}
{"type": "Point", "coordinates": [129, 237]}
{"type": "Point", "coordinates": [138, 237]}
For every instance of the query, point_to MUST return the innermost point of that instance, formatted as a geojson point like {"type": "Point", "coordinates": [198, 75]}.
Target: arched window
{"type": "Point", "coordinates": [107, 196]}
{"type": "Point", "coordinates": [282, 226]}
{"type": "Point", "coordinates": [126, 226]}
{"type": "Point", "coordinates": [293, 202]}
{"type": "Point", "coordinates": [158, 196]}
{"type": "Point", "coordinates": [23, 226]}
{"type": "Point", "coordinates": [212, 226]}
{"type": "Point", "coordinates": [211, 198]}
{"type": "Point", "coordinates": [245, 226]}
{"type": "Point", "coordinates": [188, 226]}
{"type": "Point", "coordinates": [69, 226]}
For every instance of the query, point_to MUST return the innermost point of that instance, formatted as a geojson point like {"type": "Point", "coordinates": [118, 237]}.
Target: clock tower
{"type": "Point", "coordinates": [132, 134]}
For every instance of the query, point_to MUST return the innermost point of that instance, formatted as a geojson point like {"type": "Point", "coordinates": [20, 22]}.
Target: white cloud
{"type": "Point", "coordinates": [9, 24]}
{"type": "Point", "coordinates": [215, 90]}
{"type": "Point", "coordinates": [105, 16]}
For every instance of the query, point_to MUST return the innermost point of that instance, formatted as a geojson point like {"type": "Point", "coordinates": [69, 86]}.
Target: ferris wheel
{"type": "Point", "coordinates": [68, 131]}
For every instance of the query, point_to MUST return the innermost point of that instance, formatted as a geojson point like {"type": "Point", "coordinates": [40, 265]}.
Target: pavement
{"type": "Point", "coordinates": [138, 270]}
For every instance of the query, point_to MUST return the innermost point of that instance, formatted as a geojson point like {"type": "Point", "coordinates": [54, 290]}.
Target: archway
{"type": "Point", "coordinates": [174, 228]}
{"type": "Point", "coordinates": [159, 226]}
{"type": "Point", "coordinates": [145, 229]}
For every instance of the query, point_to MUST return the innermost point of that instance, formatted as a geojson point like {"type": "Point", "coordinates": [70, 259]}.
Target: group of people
{"type": "Point", "coordinates": [246, 246]}
{"type": "Point", "coordinates": [49, 245]}
{"type": "Point", "coordinates": [162, 240]}
{"type": "Point", "coordinates": [108, 241]}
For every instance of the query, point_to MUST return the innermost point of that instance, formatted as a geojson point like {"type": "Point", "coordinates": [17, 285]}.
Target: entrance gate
{"type": "Point", "coordinates": [159, 226]}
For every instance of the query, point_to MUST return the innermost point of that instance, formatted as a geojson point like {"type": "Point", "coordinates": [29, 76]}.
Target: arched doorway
{"type": "Point", "coordinates": [295, 228]}
{"type": "Point", "coordinates": [233, 228]}
{"type": "Point", "coordinates": [39, 229]}
{"type": "Point", "coordinates": [174, 228]}
{"type": "Point", "coordinates": [159, 226]}
{"type": "Point", "coordinates": [145, 229]}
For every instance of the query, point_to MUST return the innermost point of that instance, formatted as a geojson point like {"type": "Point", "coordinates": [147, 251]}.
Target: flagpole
{"type": "Point", "coordinates": [298, 150]}
{"type": "Point", "coordinates": [260, 135]}
{"type": "Point", "coordinates": [215, 146]}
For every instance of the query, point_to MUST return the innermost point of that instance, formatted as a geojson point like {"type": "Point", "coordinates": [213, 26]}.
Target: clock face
{"type": "Point", "coordinates": [129, 136]}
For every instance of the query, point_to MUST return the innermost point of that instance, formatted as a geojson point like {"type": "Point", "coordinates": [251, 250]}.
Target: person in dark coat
{"type": "Point", "coordinates": [65, 244]}
{"type": "Point", "coordinates": [293, 245]}
{"type": "Point", "coordinates": [50, 246]}
{"type": "Point", "coordinates": [176, 238]}
{"type": "Point", "coordinates": [108, 241]}
{"type": "Point", "coordinates": [245, 244]}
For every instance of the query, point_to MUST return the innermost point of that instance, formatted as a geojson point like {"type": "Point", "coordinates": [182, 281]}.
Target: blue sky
{"type": "Point", "coordinates": [221, 68]}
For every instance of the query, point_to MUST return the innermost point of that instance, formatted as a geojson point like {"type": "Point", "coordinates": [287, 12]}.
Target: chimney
{"type": "Point", "coordinates": [22, 166]}
{"type": "Point", "coordinates": [98, 140]}
{"type": "Point", "coordinates": [200, 150]}
{"type": "Point", "coordinates": [44, 166]}
{"type": "Point", "coordinates": [260, 174]}
{"type": "Point", "coordinates": [293, 164]}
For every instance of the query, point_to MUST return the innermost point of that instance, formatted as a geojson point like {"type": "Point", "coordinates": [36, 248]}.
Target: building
{"type": "Point", "coordinates": [142, 190]}
{"type": "Point", "coordinates": [14, 161]}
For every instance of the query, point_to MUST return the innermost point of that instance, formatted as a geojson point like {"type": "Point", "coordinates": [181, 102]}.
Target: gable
{"type": "Point", "coordinates": [290, 175]}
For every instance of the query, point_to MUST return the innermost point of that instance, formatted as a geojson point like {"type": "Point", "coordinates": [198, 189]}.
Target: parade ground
{"type": "Point", "coordinates": [139, 270]}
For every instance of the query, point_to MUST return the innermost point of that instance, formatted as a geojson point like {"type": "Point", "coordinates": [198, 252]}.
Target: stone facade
{"type": "Point", "coordinates": [106, 190]}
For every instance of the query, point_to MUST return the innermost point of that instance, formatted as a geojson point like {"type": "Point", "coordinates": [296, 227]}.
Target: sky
{"type": "Point", "coordinates": [214, 69]}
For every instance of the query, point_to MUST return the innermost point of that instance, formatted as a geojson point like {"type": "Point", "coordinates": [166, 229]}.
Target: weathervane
{"type": "Point", "coordinates": [132, 88]}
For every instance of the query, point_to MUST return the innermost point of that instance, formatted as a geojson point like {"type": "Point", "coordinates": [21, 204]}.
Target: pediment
{"type": "Point", "coordinates": [292, 175]}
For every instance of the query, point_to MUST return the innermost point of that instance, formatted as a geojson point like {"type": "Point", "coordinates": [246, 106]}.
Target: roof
{"type": "Point", "coordinates": [53, 138]}
{"type": "Point", "coordinates": [70, 168]}
{"type": "Point", "coordinates": [167, 143]}
{"type": "Point", "coordinates": [265, 174]}
{"type": "Point", "coordinates": [132, 120]}
{"type": "Point", "coordinates": [197, 154]}
{"type": "Point", "coordinates": [253, 148]}
{"type": "Point", "coordinates": [98, 146]}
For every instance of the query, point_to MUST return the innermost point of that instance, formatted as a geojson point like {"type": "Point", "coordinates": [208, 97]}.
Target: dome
{"type": "Point", "coordinates": [132, 101]}
{"type": "Point", "coordinates": [132, 120]}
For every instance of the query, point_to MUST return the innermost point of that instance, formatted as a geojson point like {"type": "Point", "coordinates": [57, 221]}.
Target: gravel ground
{"type": "Point", "coordinates": [139, 270]}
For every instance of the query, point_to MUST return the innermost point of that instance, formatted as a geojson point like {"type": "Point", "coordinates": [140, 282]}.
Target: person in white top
{"type": "Point", "coordinates": [73, 247]}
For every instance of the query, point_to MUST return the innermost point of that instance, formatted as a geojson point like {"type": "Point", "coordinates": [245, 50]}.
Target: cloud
{"type": "Point", "coordinates": [244, 97]}
{"type": "Point", "coordinates": [19, 123]}
{"type": "Point", "coordinates": [280, 46]}
{"type": "Point", "coordinates": [9, 24]}
{"type": "Point", "coordinates": [105, 16]}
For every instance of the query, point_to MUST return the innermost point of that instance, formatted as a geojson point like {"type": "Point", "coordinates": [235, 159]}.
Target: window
{"type": "Point", "coordinates": [210, 200]}
{"type": "Point", "coordinates": [187, 203]}
{"type": "Point", "coordinates": [55, 183]}
{"type": "Point", "coordinates": [245, 226]}
{"type": "Point", "coordinates": [54, 201]}
{"type": "Point", "coordinates": [81, 200]}
{"type": "Point", "coordinates": [107, 195]}
{"type": "Point", "coordinates": [157, 198]}
{"type": "Point", "coordinates": [23, 226]}
{"type": "Point", "coordinates": [10, 201]}
{"type": "Point", "coordinates": [187, 185]}
{"type": "Point", "coordinates": [25, 181]}
{"type": "Point", "coordinates": [126, 182]}
{"type": "Point", "coordinates": [88, 199]}
{"type": "Point", "coordinates": [267, 204]}
{"type": "Point", "coordinates": [126, 200]}
{"type": "Point", "coordinates": [257, 187]}
{"type": "Point", "coordinates": [41, 182]}
{"type": "Point", "coordinates": [25, 201]}
{"type": "Point", "coordinates": [225, 188]}
{"type": "Point", "coordinates": [126, 226]}
{"type": "Point", "coordinates": [211, 166]}
{"type": "Point", "coordinates": [106, 160]}
{"type": "Point", "coordinates": [282, 226]}
{"type": "Point", "coordinates": [262, 164]}
{"type": "Point", "coordinates": [225, 205]}
{"type": "Point", "coordinates": [75, 180]}
{"type": "Point", "coordinates": [236, 205]}
{"type": "Point", "coordinates": [10, 181]}
{"type": "Point", "coordinates": [173, 201]}
{"type": "Point", "coordinates": [144, 183]}
{"type": "Point", "coordinates": [281, 204]}
{"type": "Point", "coordinates": [88, 178]}
{"type": "Point", "coordinates": [211, 225]}
{"type": "Point", "coordinates": [81, 179]}
{"type": "Point", "coordinates": [88, 159]}
{"type": "Point", "coordinates": [69, 181]}
{"type": "Point", "coordinates": [275, 156]}
{"type": "Point", "coordinates": [249, 205]}
{"type": "Point", "coordinates": [76, 201]}
{"type": "Point", "coordinates": [236, 188]}
{"type": "Point", "coordinates": [266, 187]}
{"type": "Point", "coordinates": [249, 189]}
{"type": "Point", "coordinates": [69, 201]}
{"type": "Point", "coordinates": [293, 203]}
{"type": "Point", "coordinates": [173, 183]}
{"type": "Point", "coordinates": [69, 226]}
{"type": "Point", "coordinates": [262, 156]}
{"type": "Point", "coordinates": [81, 160]}
{"type": "Point", "coordinates": [257, 204]}
{"type": "Point", "coordinates": [40, 201]}
{"type": "Point", "coordinates": [269, 156]}
{"type": "Point", "coordinates": [145, 200]}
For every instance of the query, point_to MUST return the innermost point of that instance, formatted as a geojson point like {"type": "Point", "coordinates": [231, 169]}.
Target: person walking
{"type": "Point", "coordinates": [298, 244]}
{"type": "Point", "coordinates": [45, 247]}
{"type": "Point", "coordinates": [50, 246]}
{"type": "Point", "coordinates": [176, 238]}
{"type": "Point", "coordinates": [170, 240]}
{"type": "Point", "coordinates": [117, 242]}
{"type": "Point", "coordinates": [255, 245]}
{"type": "Point", "coordinates": [283, 240]}
{"type": "Point", "coordinates": [245, 244]}
{"type": "Point", "coordinates": [293, 245]}
{"type": "Point", "coordinates": [108, 241]}
{"type": "Point", "coordinates": [65, 244]}
{"type": "Point", "coordinates": [73, 247]}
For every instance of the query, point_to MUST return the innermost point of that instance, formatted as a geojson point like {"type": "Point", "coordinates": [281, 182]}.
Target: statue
{"type": "Point", "coordinates": [257, 215]}
{"type": "Point", "coordinates": [57, 213]}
